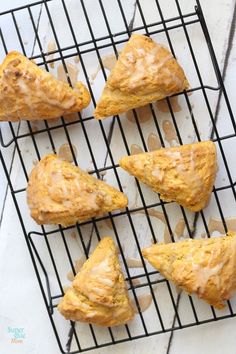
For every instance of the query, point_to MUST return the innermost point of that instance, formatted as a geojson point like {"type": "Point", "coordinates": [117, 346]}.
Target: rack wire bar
{"type": "Point", "coordinates": [41, 238]}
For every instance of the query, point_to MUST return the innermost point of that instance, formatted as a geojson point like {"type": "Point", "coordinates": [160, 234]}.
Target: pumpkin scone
{"type": "Point", "coordinates": [61, 193]}
{"type": "Point", "coordinates": [98, 293]}
{"type": "Point", "coordinates": [206, 267]}
{"type": "Point", "coordinates": [184, 174]}
{"type": "Point", "coordinates": [29, 92]}
{"type": "Point", "coordinates": [144, 72]}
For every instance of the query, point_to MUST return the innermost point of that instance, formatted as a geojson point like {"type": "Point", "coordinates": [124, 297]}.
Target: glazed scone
{"type": "Point", "coordinates": [28, 92]}
{"type": "Point", "coordinates": [205, 267]}
{"type": "Point", "coordinates": [184, 174]}
{"type": "Point", "coordinates": [61, 193]}
{"type": "Point", "coordinates": [98, 293]}
{"type": "Point", "coordinates": [144, 72]}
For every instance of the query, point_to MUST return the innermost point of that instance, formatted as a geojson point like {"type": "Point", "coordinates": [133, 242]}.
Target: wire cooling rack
{"type": "Point", "coordinates": [54, 249]}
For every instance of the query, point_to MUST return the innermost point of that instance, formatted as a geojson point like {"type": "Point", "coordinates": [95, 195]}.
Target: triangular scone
{"type": "Point", "coordinates": [206, 267]}
{"type": "Point", "coordinates": [28, 92]}
{"type": "Point", "coordinates": [145, 72]}
{"type": "Point", "coordinates": [98, 294]}
{"type": "Point", "coordinates": [184, 174]}
{"type": "Point", "coordinates": [61, 193]}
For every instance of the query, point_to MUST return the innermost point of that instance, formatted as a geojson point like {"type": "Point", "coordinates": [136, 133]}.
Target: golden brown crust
{"type": "Point", "coordinates": [61, 193]}
{"type": "Point", "coordinates": [28, 92]}
{"type": "Point", "coordinates": [98, 294]}
{"type": "Point", "coordinates": [184, 174]}
{"type": "Point", "coordinates": [205, 267]}
{"type": "Point", "coordinates": [145, 72]}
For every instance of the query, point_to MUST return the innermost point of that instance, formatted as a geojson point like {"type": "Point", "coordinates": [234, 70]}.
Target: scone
{"type": "Point", "coordinates": [28, 92]}
{"type": "Point", "coordinates": [206, 267]}
{"type": "Point", "coordinates": [61, 193]}
{"type": "Point", "coordinates": [184, 174]}
{"type": "Point", "coordinates": [144, 72]}
{"type": "Point", "coordinates": [98, 293]}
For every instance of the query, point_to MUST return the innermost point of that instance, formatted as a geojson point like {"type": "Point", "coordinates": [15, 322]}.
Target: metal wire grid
{"type": "Point", "coordinates": [95, 45]}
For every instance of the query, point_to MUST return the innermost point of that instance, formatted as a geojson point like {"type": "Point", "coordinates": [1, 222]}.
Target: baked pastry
{"type": "Point", "coordinates": [28, 92]}
{"type": "Point", "coordinates": [144, 72]}
{"type": "Point", "coordinates": [98, 293]}
{"type": "Point", "coordinates": [205, 267]}
{"type": "Point", "coordinates": [184, 174]}
{"type": "Point", "coordinates": [61, 193]}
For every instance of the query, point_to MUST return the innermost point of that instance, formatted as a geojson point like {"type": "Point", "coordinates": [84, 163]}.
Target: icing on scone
{"type": "Point", "coordinates": [205, 267]}
{"type": "Point", "coordinates": [61, 193]}
{"type": "Point", "coordinates": [184, 174]}
{"type": "Point", "coordinates": [144, 72]}
{"type": "Point", "coordinates": [29, 92]}
{"type": "Point", "coordinates": [98, 293]}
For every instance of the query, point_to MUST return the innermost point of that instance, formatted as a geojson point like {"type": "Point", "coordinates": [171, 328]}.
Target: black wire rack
{"type": "Point", "coordinates": [170, 309]}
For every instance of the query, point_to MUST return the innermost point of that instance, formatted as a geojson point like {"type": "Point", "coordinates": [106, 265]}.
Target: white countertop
{"type": "Point", "coordinates": [21, 302]}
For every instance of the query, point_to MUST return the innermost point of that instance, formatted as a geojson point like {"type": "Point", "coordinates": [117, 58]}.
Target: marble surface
{"type": "Point", "coordinates": [21, 302]}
